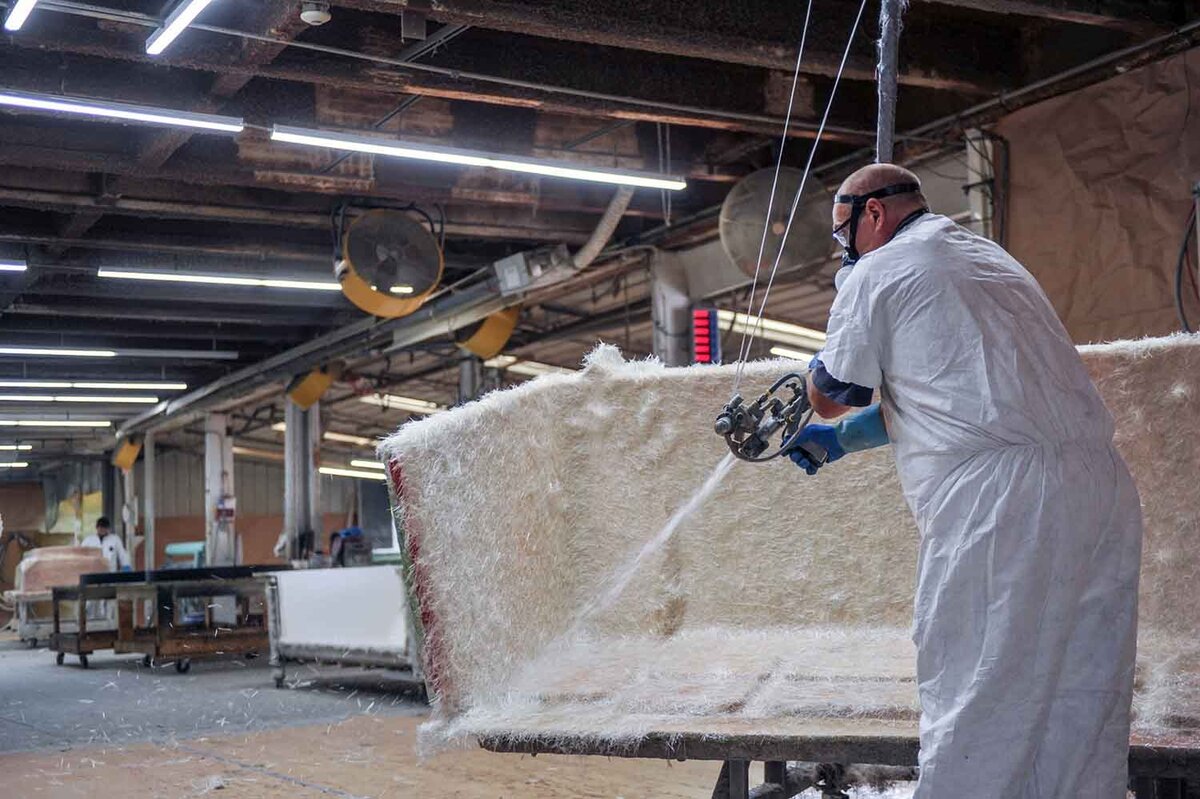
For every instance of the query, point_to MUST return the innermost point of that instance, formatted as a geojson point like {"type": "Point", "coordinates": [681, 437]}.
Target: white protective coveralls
{"type": "Point", "coordinates": [113, 549]}
{"type": "Point", "coordinates": [1026, 602]}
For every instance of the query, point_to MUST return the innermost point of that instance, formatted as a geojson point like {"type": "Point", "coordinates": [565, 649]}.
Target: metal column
{"type": "Point", "coordinates": [129, 508]}
{"type": "Point", "coordinates": [886, 74]}
{"type": "Point", "coordinates": [470, 378]}
{"type": "Point", "coordinates": [220, 543]}
{"type": "Point", "coordinates": [149, 556]}
{"type": "Point", "coordinates": [670, 309]}
{"type": "Point", "coordinates": [301, 479]}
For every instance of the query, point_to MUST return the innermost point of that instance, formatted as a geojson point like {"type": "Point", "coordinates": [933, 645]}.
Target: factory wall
{"type": "Point", "coordinates": [258, 486]}
{"type": "Point", "coordinates": [1101, 186]}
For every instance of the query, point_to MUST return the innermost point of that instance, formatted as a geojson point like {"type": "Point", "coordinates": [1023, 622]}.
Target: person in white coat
{"type": "Point", "coordinates": [109, 544]}
{"type": "Point", "coordinates": [1025, 617]}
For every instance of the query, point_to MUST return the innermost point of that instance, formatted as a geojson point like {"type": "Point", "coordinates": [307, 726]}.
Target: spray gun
{"type": "Point", "coordinates": [749, 429]}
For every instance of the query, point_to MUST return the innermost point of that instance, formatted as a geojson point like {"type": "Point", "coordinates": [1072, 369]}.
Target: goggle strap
{"type": "Point", "coordinates": [878, 194]}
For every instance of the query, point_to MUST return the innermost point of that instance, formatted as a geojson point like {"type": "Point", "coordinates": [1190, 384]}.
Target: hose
{"type": "Point", "coordinates": [604, 228]}
{"type": "Point", "coordinates": [1188, 232]}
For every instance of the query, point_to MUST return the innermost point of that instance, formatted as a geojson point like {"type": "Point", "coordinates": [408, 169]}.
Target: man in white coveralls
{"type": "Point", "coordinates": [1030, 526]}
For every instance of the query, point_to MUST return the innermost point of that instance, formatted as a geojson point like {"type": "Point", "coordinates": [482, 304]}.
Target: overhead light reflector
{"type": "Point", "coordinates": [108, 110]}
{"type": "Point", "coordinates": [376, 145]}
{"type": "Point", "coordinates": [222, 280]}
{"type": "Point", "coordinates": [335, 471]}
{"type": "Point", "coordinates": [805, 338]}
{"type": "Point", "coordinates": [19, 12]}
{"type": "Point", "coordinates": [13, 266]}
{"type": "Point", "coordinates": [181, 16]}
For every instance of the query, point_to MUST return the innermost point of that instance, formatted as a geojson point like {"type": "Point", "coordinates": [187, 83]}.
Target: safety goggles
{"type": "Point", "coordinates": [845, 233]}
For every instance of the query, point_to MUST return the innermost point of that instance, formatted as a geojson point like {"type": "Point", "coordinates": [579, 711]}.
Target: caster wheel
{"type": "Point", "coordinates": [183, 665]}
{"type": "Point", "coordinates": [31, 643]}
{"type": "Point", "coordinates": [59, 658]}
{"type": "Point", "coordinates": [278, 682]}
{"type": "Point", "coordinates": [147, 661]}
{"type": "Point", "coordinates": [83, 661]}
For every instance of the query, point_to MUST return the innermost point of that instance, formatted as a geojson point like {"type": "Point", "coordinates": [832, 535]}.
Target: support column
{"type": "Point", "coordinates": [149, 553]}
{"type": "Point", "coordinates": [470, 378]}
{"type": "Point", "coordinates": [301, 479]}
{"type": "Point", "coordinates": [129, 508]}
{"type": "Point", "coordinates": [220, 542]}
{"type": "Point", "coordinates": [670, 310]}
{"type": "Point", "coordinates": [887, 73]}
{"type": "Point", "coordinates": [981, 186]}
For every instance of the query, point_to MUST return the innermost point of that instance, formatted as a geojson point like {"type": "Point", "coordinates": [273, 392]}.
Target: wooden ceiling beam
{"type": "Point", "coordinates": [1141, 17]}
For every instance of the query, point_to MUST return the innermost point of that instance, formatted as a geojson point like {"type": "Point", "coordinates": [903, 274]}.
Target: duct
{"type": "Point", "coordinates": [670, 308]}
{"type": "Point", "coordinates": [443, 315]}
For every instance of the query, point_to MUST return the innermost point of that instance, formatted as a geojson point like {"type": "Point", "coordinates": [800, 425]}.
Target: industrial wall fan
{"type": "Point", "coordinates": [390, 263]}
{"type": "Point", "coordinates": [745, 209]}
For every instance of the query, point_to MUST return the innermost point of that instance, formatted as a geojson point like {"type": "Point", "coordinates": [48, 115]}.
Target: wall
{"type": "Point", "coordinates": [1100, 188]}
{"type": "Point", "coordinates": [258, 486]}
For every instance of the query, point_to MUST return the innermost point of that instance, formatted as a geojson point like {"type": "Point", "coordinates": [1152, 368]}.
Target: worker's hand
{"type": "Point", "coordinates": [824, 436]}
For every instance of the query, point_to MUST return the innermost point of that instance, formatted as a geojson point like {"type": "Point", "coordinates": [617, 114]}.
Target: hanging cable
{"type": "Point", "coordinates": [757, 324]}
{"type": "Point", "coordinates": [762, 245]}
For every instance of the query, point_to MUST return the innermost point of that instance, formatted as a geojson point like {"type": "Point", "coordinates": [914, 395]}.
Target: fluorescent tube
{"type": "Point", "coordinates": [13, 266]}
{"type": "Point", "coordinates": [398, 403]}
{"type": "Point", "coordinates": [331, 435]}
{"type": "Point", "coordinates": [19, 12]}
{"type": "Point", "coordinates": [14, 465]}
{"type": "Point", "coordinates": [76, 398]}
{"type": "Point", "coordinates": [109, 110]}
{"type": "Point", "coordinates": [367, 464]}
{"type": "Point", "coordinates": [51, 423]}
{"type": "Point", "coordinates": [334, 471]}
{"type": "Point", "coordinates": [55, 351]}
{"type": "Point", "coordinates": [16, 447]}
{"type": "Point", "coordinates": [449, 155]}
{"type": "Point", "coordinates": [181, 16]}
{"type": "Point", "coordinates": [517, 366]}
{"type": "Point", "coordinates": [130, 386]}
{"type": "Point", "coordinates": [795, 355]}
{"type": "Point", "coordinates": [798, 336]}
{"type": "Point", "coordinates": [222, 280]}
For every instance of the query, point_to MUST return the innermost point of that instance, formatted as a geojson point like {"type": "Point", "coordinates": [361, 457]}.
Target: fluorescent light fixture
{"type": "Point", "coordinates": [127, 400]}
{"type": "Point", "coordinates": [12, 266]}
{"type": "Point", "coordinates": [14, 465]}
{"type": "Point", "coordinates": [398, 403]}
{"type": "Point", "coordinates": [222, 280]}
{"type": "Point", "coordinates": [128, 386]}
{"type": "Point", "coordinates": [15, 447]}
{"type": "Point", "coordinates": [377, 145]}
{"type": "Point", "coordinates": [795, 355]}
{"type": "Point", "coordinates": [260, 454]}
{"type": "Point", "coordinates": [58, 351]}
{"type": "Point", "coordinates": [51, 423]}
{"type": "Point", "coordinates": [517, 366]}
{"type": "Point", "coordinates": [181, 16]}
{"type": "Point", "coordinates": [805, 338]}
{"type": "Point", "coordinates": [331, 435]}
{"type": "Point", "coordinates": [334, 471]}
{"type": "Point", "coordinates": [109, 110]}
{"type": "Point", "coordinates": [19, 12]}
{"type": "Point", "coordinates": [401, 289]}
{"type": "Point", "coordinates": [367, 464]}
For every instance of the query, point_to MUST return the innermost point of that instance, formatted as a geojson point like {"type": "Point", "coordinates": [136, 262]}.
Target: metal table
{"type": "Point", "coordinates": [74, 636]}
{"type": "Point", "coordinates": [170, 633]}
{"type": "Point", "coordinates": [832, 757]}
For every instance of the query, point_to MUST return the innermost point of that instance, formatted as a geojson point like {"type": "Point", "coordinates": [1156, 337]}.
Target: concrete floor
{"type": "Point", "coordinates": [119, 730]}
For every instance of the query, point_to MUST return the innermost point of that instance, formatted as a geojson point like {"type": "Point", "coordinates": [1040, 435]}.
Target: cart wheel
{"type": "Point", "coordinates": [31, 643]}
{"type": "Point", "coordinates": [182, 665]}
{"type": "Point", "coordinates": [59, 658]}
{"type": "Point", "coordinates": [278, 682]}
{"type": "Point", "coordinates": [83, 661]}
{"type": "Point", "coordinates": [147, 661]}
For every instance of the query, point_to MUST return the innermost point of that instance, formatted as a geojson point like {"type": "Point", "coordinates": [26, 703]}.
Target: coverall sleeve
{"type": "Point", "coordinates": [851, 354]}
{"type": "Point", "coordinates": [122, 556]}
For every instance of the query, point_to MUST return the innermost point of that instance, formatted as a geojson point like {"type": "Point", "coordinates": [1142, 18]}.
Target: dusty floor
{"type": "Point", "coordinates": [117, 730]}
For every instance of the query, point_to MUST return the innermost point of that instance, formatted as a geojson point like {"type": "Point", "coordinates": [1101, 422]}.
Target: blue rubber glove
{"type": "Point", "coordinates": [864, 430]}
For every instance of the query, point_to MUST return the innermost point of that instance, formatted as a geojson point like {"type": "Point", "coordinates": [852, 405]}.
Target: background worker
{"type": "Point", "coordinates": [1030, 525]}
{"type": "Point", "coordinates": [109, 544]}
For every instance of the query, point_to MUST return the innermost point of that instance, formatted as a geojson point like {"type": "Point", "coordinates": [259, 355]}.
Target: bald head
{"type": "Point", "coordinates": [879, 217]}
